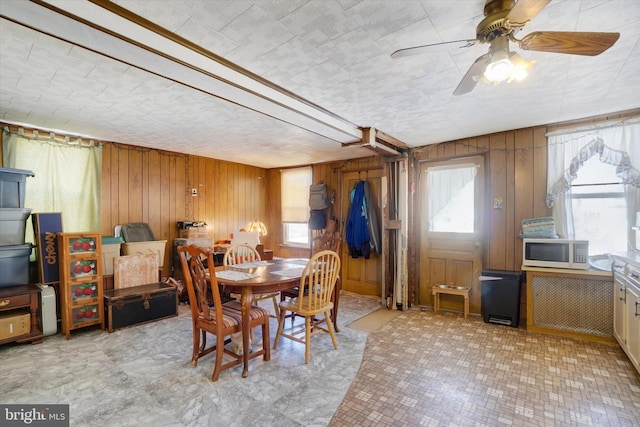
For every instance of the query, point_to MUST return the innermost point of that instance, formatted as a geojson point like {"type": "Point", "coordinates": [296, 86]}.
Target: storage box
{"type": "Point", "coordinates": [111, 246]}
{"type": "Point", "coordinates": [12, 186]}
{"type": "Point", "coordinates": [139, 304]}
{"type": "Point", "coordinates": [14, 265]}
{"type": "Point", "coordinates": [137, 232]}
{"type": "Point", "coordinates": [14, 324]}
{"type": "Point", "coordinates": [192, 233]}
{"type": "Point", "coordinates": [46, 226]}
{"type": "Point", "coordinates": [142, 248]}
{"type": "Point", "coordinates": [12, 224]}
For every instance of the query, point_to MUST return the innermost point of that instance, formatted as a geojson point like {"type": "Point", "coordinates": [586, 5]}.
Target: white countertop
{"type": "Point", "coordinates": [632, 257]}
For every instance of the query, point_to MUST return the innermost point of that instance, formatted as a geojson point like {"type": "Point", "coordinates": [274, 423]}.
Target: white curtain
{"type": "Point", "coordinates": [445, 185]}
{"type": "Point", "coordinates": [294, 188]}
{"type": "Point", "coordinates": [617, 145]}
{"type": "Point", "coordinates": [67, 179]}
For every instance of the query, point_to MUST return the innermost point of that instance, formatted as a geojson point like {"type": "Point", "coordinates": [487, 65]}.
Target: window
{"type": "Point", "coordinates": [593, 184]}
{"type": "Point", "coordinates": [599, 207]}
{"type": "Point", "coordinates": [295, 205]}
{"type": "Point", "coordinates": [451, 198]}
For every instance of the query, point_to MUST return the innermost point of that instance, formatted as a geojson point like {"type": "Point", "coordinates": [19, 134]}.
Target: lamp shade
{"type": "Point", "coordinates": [499, 71]}
{"type": "Point", "coordinates": [500, 67]}
{"type": "Point", "coordinates": [258, 226]}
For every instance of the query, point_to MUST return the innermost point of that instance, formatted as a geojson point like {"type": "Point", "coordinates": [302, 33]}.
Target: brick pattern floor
{"type": "Point", "coordinates": [426, 369]}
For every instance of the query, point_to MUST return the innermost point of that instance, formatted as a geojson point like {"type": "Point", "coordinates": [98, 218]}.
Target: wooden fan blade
{"type": "Point", "coordinates": [525, 10]}
{"type": "Point", "coordinates": [435, 47]}
{"type": "Point", "coordinates": [470, 79]}
{"type": "Point", "coordinates": [575, 43]}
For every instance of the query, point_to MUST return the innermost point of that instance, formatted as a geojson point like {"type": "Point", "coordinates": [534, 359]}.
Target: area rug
{"type": "Point", "coordinates": [374, 321]}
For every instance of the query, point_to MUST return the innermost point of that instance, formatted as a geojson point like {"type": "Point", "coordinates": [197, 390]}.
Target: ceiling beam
{"type": "Point", "coordinates": [379, 142]}
{"type": "Point", "coordinates": [146, 46]}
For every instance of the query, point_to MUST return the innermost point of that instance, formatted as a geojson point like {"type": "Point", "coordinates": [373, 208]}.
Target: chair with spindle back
{"type": "Point", "coordinates": [220, 320]}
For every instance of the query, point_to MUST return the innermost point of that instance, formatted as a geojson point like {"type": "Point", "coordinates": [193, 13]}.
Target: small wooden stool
{"type": "Point", "coordinates": [450, 290]}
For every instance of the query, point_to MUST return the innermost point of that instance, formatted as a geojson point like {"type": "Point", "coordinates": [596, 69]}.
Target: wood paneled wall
{"type": "Point", "coordinates": [515, 172]}
{"type": "Point", "coordinates": [331, 174]}
{"type": "Point", "coordinates": [145, 185]}
{"type": "Point", "coordinates": [152, 186]}
{"type": "Point", "coordinates": [155, 187]}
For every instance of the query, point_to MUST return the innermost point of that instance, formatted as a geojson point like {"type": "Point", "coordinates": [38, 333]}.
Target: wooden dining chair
{"type": "Point", "coordinates": [239, 254]}
{"type": "Point", "coordinates": [220, 320]}
{"type": "Point", "coordinates": [325, 242]}
{"type": "Point", "coordinates": [314, 298]}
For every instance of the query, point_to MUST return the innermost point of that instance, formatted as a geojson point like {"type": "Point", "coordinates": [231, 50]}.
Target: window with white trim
{"type": "Point", "coordinates": [599, 207]}
{"type": "Point", "coordinates": [294, 190]}
{"type": "Point", "coordinates": [451, 198]}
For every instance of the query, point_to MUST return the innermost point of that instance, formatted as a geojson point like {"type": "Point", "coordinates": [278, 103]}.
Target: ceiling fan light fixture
{"type": "Point", "coordinates": [502, 20]}
{"type": "Point", "coordinates": [500, 67]}
{"type": "Point", "coordinates": [499, 71]}
{"type": "Point", "coordinates": [521, 67]}
{"type": "Point", "coordinates": [519, 74]}
{"type": "Point", "coordinates": [505, 65]}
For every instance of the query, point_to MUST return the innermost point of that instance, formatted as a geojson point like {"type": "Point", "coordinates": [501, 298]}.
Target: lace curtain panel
{"type": "Point", "coordinates": [617, 145]}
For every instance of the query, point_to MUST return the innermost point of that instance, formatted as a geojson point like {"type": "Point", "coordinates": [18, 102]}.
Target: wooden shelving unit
{"type": "Point", "coordinates": [81, 289]}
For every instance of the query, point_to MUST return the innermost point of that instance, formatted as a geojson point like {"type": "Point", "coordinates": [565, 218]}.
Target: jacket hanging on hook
{"type": "Point", "coordinates": [372, 220]}
{"type": "Point", "coordinates": [357, 230]}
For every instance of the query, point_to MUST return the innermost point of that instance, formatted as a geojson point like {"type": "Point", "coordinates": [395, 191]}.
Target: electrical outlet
{"type": "Point", "coordinates": [194, 191]}
{"type": "Point", "coordinates": [497, 203]}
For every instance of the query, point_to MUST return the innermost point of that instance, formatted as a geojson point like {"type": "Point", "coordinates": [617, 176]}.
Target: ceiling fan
{"type": "Point", "coordinates": [503, 18]}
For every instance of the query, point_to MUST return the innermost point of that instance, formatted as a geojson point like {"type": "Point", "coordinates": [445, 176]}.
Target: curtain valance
{"type": "Point", "coordinates": [615, 146]}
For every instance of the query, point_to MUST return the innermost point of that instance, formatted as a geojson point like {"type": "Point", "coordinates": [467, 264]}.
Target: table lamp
{"type": "Point", "coordinates": [256, 226]}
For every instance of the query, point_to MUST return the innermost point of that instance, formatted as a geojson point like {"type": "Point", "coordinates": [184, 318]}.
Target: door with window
{"type": "Point", "coordinates": [360, 275]}
{"type": "Point", "coordinates": [450, 220]}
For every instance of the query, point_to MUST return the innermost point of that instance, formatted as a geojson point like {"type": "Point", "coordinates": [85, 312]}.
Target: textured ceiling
{"type": "Point", "coordinates": [331, 55]}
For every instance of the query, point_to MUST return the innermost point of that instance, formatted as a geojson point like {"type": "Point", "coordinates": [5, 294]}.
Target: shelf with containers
{"type": "Point", "coordinates": [81, 291]}
{"type": "Point", "coordinates": [19, 302]}
{"type": "Point", "coordinates": [14, 252]}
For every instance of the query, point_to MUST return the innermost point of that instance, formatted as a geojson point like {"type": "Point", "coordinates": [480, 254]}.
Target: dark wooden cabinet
{"type": "Point", "coordinates": [21, 300]}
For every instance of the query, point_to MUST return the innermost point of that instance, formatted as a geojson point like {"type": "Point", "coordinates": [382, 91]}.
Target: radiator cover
{"type": "Point", "coordinates": [572, 304]}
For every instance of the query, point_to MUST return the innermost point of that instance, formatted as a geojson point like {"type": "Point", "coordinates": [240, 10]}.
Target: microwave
{"type": "Point", "coordinates": [557, 253]}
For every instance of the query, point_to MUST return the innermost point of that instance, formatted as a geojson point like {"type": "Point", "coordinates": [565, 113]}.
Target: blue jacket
{"type": "Point", "coordinates": [357, 231]}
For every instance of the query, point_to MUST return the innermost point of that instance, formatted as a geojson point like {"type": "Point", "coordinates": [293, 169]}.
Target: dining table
{"type": "Point", "coordinates": [261, 277]}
